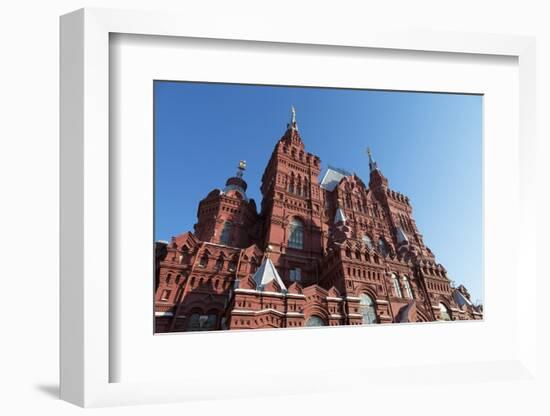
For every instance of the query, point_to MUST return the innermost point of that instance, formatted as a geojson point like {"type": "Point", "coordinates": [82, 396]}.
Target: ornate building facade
{"type": "Point", "coordinates": [329, 251]}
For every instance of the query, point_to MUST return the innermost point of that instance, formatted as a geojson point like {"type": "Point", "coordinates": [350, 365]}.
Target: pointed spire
{"type": "Point", "coordinates": [293, 122]}
{"type": "Point", "coordinates": [266, 274]}
{"type": "Point", "coordinates": [372, 163]}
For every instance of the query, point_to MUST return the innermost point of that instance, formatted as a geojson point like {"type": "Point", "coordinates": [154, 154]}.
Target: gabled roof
{"type": "Point", "coordinates": [332, 178]}
{"type": "Point", "coordinates": [266, 274]}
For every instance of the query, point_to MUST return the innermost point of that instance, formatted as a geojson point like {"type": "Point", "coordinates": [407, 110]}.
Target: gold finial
{"type": "Point", "coordinates": [369, 152]}
{"type": "Point", "coordinates": [242, 164]}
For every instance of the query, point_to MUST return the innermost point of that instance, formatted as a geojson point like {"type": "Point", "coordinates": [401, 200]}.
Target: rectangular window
{"type": "Point", "coordinates": [296, 274]}
{"type": "Point", "coordinates": [165, 295]}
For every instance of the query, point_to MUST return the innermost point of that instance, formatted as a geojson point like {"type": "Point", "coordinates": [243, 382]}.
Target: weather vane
{"type": "Point", "coordinates": [241, 168]}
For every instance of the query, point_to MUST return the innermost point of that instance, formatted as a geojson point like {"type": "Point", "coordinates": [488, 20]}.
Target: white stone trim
{"type": "Point", "coordinates": [381, 301]}
{"type": "Point", "coordinates": [245, 290]}
{"type": "Point", "coordinates": [164, 314]}
{"type": "Point", "coordinates": [296, 295]}
{"type": "Point", "coordinates": [256, 292]}
{"type": "Point", "coordinates": [333, 298]}
{"type": "Point", "coordinates": [262, 311]}
{"type": "Point", "coordinates": [294, 314]}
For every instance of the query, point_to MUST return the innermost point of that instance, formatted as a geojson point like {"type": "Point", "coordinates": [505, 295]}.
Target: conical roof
{"type": "Point", "coordinates": [266, 274]}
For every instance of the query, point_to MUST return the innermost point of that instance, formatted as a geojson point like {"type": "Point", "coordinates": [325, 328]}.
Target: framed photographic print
{"type": "Point", "coordinates": [323, 246]}
{"type": "Point", "coordinates": [312, 209]}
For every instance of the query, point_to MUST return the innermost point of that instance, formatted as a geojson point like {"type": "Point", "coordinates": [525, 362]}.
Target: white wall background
{"type": "Point", "coordinates": [29, 116]}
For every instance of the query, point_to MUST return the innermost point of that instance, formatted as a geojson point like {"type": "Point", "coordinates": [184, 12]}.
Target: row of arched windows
{"type": "Point", "coordinates": [367, 309]}
{"type": "Point", "coordinates": [220, 262]}
{"type": "Point", "coordinates": [406, 223]}
{"type": "Point", "coordinates": [397, 287]}
{"type": "Point", "coordinates": [297, 185]}
{"type": "Point", "coordinates": [383, 248]}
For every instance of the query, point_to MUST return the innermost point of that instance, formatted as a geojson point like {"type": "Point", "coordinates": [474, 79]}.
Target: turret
{"type": "Point", "coordinates": [227, 216]}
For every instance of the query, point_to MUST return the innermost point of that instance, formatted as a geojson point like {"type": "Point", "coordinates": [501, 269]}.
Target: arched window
{"type": "Point", "coordinates": [184, 257]}
{"type": "Point", "coordinates": [200, 322]}
{"type": "Point", "coordinates": [315, 321]}
{"type": "Point", "coordinates": [367, 241]}
{"type": "Point", "coordinates": [368, 309]}
{"type": "Point", "coordinates": [193, 322]}
{"type": "Point", "coordinates": [444, 313]}
{"type": "Point", "coordinates": [396, 287]}
{"type": "Point", "coordinates": [226, 233]}
{"type": "Point", "coordinates": [204, 261]}
{"type": "Point", "coordinates": [296, 236]}
{"type": "Point", "coordinates": [408, 289]}
{"type": "Point", "coordinates": [383, 247]}
{"type": "Point", "coordinates": [219, 264]}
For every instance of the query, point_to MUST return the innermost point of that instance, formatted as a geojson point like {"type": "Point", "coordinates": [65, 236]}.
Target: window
{"type": "Point", "coordinates": [296, 274]}
{"type": "Point", "coordinates": [315, 321]}
{"type": "Point", "coordinates": [204, 261]}
{"type": "Point", "coordinates": [383, 247]}
{"type": "Point", "coordinates": [296, 239]}
{"type": "Point", "coordinates": [219, 264]}
{"type": "Point", "coordinates": [200, 322]}
{"type": "Point", "coordinates": [226, 233]}
{"type": "Point", "coordinates": [232, 266]}
{"type": "Point", "coordinates": [367, 241]}
{"type": "Point", "coordinates": [368, 310]}
{"type": "Point", "coordinates": [396, 287]}
{"type": "Point", "coordinates": [444, 313]}
{"type": "Point", "coordinates": [184, 257]}
{"type": "Point", "coordinates": [253, 266]}
{"type": "Point", "coordinates": [165, 295]}
{"type": "Point", "coordinates": [408, 289]}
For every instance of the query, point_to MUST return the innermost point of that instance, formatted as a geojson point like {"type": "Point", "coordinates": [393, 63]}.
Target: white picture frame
{"type": "Point", "coordinates": [87, 356]}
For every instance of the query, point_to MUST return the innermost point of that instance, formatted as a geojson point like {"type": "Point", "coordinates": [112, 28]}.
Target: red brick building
{"type": "Point", "coordinates": [322, 251]}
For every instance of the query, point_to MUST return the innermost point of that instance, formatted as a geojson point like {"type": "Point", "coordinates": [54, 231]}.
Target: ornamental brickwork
{"type": "Point", "coordinates": [329, 251]}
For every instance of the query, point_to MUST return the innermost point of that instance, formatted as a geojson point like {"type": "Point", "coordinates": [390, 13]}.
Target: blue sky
{"type": "Point", "coordinates": [429, 146]}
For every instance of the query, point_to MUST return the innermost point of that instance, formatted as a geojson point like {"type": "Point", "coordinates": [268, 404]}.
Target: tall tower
{"type": "Point", "coordinates": [228, 217]}
{"type": "Point", "coordinates": [291, 207]}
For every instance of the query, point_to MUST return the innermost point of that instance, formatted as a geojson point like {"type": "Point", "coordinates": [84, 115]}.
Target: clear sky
{"type": "Point", "coordinates": [429, 146]}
